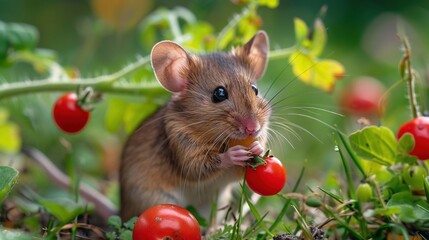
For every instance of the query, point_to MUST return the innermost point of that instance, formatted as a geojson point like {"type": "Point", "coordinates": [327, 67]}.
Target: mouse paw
{"type": "Point", "coordinates": [256, 148]}
{"type": "Point", "coordinates": [237, 155]}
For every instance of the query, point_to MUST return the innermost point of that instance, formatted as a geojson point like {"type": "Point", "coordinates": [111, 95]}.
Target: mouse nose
{"type": "Point", "coordinates": [249, 131]}
{"type": "Point", "coordinates": [250, 126]}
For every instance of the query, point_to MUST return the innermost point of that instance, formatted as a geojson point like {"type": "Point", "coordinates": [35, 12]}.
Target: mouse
{"type": "Point", "coordinates": [181, 154]}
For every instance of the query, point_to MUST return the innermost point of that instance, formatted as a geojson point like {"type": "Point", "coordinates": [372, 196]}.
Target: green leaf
{"type": "Point", "coordinates": [322, 74]}
{"type": "Point", "coordinates": [377, 144]}
{"type": "Point", "coordinates": [202, 36]}
{"type": "Point", "coordinates": [406, 158]}
{"type": "Point", "coordinates": [63, 209]}
{"type": "Point", "coordinates": [247, 28]}
{"type": "Point", "coordinates": [406, 143]}
{"type": "Point", "coordinates": [15, 235]}
{"type": "Point", "coordinates": [8, 179]}
{"type": "Point", "coordinates": [115, 221]}
{"type": "Point", "coordinates": [225, 39]}
{"type": "Point", "coordinates": [318, 39]}
{"type": "Point", "coordinates": [130, 223]}
{"type": "Point", "coordinates": [4, 44]}
{"type": "Point", "coordinates": [301, 31]}
{"type": "Point", "coordinates": [387, 211]}
{"type": "Point", "coordinates": [404, 200]}
{"type": "Point", "coordinates": [421, 209]}
{"type": "Point", "coordinates": [126, 235]}
{"type": "Point", "coordinates": [22, 36]}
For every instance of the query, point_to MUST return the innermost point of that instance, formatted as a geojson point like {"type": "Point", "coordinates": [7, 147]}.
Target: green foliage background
{"type": "Point", "coordinates": [361, 35]}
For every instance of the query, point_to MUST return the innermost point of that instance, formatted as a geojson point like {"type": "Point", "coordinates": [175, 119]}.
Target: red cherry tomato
{"type": "Point", "coordinates": [68, 115]}
{"type": "Point", "coordinates": [267, 179]}
{"type": "Point", "coordinates": [166, 221]}
{"type": "Point", "coordinates": [362, 97]}
{"type": "Point", "coordinates": [419, 128]}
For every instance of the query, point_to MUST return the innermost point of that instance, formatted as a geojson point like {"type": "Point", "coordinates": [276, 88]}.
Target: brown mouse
{"type": "Point", "coordinates": [180, 154]}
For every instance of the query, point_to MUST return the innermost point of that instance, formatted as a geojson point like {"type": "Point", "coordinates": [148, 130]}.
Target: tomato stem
{"type": "Point", "coordinates": [407, 74]}
{"type": "Point", "coordinates": [104, 83]}
{"type": "Point", "coordinates": [257, 160]}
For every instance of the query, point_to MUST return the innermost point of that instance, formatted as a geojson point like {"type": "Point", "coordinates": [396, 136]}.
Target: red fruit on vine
{"type": "Point", "coordinates": [268, 178]}
{"type": "Point", "coordinates": [69, 115]}
{"type": "Point", "coordinates": [166, 221]}
{"type": "Point", "coordinates": [362, 97]}
{"type": "Point", "coordinates": [419, 128]}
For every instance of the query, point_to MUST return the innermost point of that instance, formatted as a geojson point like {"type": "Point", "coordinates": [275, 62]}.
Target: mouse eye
{"type": "Point", "coordinates": [255, 88]}
{"type": "Point", "coordinates": [220, 94]}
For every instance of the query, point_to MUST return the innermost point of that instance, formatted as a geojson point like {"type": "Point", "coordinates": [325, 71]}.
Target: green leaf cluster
{"type": "Point", "coordinates": [120, 230]}
{"type": "Point", "coordinates": [16, 36]}
{"type": "Point", "coordinates": [306, 65]}
{"type": "Point", "coordinates": [379, 145]}
{"type": "Point", "coordinates": [385, 160]}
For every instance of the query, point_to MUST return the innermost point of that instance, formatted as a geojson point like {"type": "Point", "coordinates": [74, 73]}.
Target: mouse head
{"type": "Point", "coordinates": [217, 92]}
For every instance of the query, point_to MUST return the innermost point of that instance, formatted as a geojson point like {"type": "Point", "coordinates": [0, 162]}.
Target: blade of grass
{"type": "Point", "coordinates": [426, 185]}
{"type": "Point", "coordinates": [344, 224]}
{"type": "Point", "coordinates": [255, 213]}
{"type": "Point", "coordinates": [287, 203]}
{"type": "Point", "coordinates": [337, 198]}
{"type": "Point", "coordinates": [302, 224]}
{"type": "Point", "coordinates": [352, 191]}
{"type": "Point", "coordinates": [252, 229]}
{"type": "Point", "coordinates": [332, 195]}
{"type": "Point", "coordinates": [351, 153]}
{"type": "Point", "coordinates": [347, 172]}
{"type": "Point", "coordinates": [237, 225]}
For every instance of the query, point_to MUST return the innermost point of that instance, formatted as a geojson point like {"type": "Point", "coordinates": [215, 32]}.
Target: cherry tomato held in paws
{"type": "Point", "coordinates": [267, 179]}
{"type": "Point", "coordinates": [166, 221]}
{"type": "Point", "coordinates": [419, 128]}
{"type": "Point", "coordinates": [68, 115]}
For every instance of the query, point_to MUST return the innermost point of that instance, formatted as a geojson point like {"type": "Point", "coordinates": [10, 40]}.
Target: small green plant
{"type": "Point", "coordinates": [120, 230]}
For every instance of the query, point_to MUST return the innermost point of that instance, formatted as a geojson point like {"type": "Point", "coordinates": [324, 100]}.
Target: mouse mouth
{"type": "Point", "coordinates": [242, 134]}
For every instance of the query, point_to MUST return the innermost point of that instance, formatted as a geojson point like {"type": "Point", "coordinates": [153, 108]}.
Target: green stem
{"type": "Point", "coordinates": [99, 84]}
{"type": "Point", "coordinates": [281, 53]}
{"type": "Point", "coordinates": [407, 67]}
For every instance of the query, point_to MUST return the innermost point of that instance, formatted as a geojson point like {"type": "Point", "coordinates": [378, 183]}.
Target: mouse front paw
{"type": "Point", "coordinates": [237, 155]}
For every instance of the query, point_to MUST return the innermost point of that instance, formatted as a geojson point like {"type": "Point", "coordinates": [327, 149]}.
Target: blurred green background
{"type": "Point", "coordinates": [361, 35]}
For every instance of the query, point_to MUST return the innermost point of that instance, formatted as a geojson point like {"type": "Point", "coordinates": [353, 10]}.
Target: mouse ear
{"type": "Point", "coordinates": [257, 50]}
{"type": "Point", "coordinates": [168, 61]}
